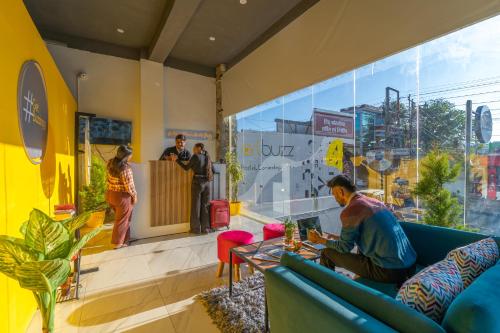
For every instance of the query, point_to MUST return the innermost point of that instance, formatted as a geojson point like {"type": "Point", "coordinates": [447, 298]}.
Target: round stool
{"type": "Point", "coordinates": [274, 230]}
{"type": "Point", "coordinates": [228, 240]}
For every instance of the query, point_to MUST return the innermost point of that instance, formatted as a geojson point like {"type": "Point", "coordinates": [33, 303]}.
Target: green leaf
{"type": "Point", "coordinates": [76, 222]}
{"type": "Point", "coordinates": [13, 252]}
{"type": "Point", "coordinates": [81, 242]}
{"type": "Point", "coordinates": [44, 275]}
{"type": "Point", "coordinates": [46, 236]}
{"type": "Point", "coordinates": [23, 227]}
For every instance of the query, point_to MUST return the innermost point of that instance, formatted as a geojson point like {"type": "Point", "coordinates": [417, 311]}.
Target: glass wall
{"type": "Point", "coordinates": [387, 125]}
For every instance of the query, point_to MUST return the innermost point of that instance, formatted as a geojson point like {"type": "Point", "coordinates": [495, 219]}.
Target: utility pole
{"type": "Point", "coordinates": [387, 111]}
{"type": "Point", "coordinates": [468, 131]}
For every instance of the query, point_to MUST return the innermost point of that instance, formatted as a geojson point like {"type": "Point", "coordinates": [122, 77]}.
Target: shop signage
{"type": "Point", "coordinates": [32, 109]}
{"type": "Point", "coordinates": [171, 133]}
{"type": "Point", "coordinates": [484, 124]}
{"type": "Point", "coordinates": [333, 125]}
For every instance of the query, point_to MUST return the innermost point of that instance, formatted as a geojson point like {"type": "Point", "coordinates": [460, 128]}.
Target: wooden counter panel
{"type": "Point", "coordinates": [170, 193]}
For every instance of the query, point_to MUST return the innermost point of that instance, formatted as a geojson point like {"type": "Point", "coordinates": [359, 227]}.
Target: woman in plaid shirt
{"type": "Point", "coordinates": [121, 195]}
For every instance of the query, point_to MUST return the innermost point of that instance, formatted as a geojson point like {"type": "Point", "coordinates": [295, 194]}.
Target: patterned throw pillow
{"type": "Point", "coordinates": [475, 258]}
{"type": "Point", "coordinates": [432, 290]}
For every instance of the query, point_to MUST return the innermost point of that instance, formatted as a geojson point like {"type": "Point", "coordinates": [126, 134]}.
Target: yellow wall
{"type": "Point", "coordinates": [24, 185]}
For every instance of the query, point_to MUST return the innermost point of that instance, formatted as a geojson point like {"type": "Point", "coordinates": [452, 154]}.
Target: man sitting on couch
{"type": "Point", "coordinates": [384, 252]}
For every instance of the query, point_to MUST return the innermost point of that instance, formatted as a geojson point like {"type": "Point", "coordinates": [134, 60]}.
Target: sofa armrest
{"type": "Point", "coordinates": [432, 243]}
{"type": "Point", "coordinates": [297, 305]}
{"type": "Point", "coordinates": [382, 307]}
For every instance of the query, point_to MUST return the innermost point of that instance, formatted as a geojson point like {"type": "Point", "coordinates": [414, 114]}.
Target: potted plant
{"type": "Point", "coordinates": [236, 176]}
{"type": "Point", "coordinates": [289, 230]}
{"type": "Point", "coordinates": [93, 195]}
{"type": "Point", "coordinates": [41, 261]}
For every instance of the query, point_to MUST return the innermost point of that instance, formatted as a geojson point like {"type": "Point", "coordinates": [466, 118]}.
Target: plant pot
{"type": "Point", "coordinates": [96, 219]}
{"type": "Point", "coordinates": [235, 208]}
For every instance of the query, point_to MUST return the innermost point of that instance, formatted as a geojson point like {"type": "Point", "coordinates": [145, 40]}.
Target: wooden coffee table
{"type": "Point", "coordinates": [247, 252]}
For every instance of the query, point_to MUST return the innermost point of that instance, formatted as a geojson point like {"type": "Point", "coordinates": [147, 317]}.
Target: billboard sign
{"type": "Point", "coordinates": [333, 125]}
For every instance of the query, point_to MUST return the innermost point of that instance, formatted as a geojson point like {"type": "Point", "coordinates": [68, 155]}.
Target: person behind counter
{"type": "Point", "coordinates": [179, 150]}
{"type": "Point", "coordinates": [201, 164]}
{"type": "Point", "coordinates": [121, 195]}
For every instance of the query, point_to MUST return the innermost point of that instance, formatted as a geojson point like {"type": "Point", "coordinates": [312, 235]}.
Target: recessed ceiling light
{"type": "Point", "coordinates": [243, 2]}
{"type": "Point", "coordinates": [212, 38]}
{"type": "Point", "coordinates": [120, 30]}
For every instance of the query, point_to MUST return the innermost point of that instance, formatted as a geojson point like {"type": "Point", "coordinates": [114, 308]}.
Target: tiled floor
{"type": "Point", "coordinates": [147, 287]}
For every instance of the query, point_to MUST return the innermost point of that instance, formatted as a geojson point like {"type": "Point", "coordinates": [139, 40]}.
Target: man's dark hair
{"type": "Point", "coordinates": [180, 137]}
{"type": "Point", "coordinates": [342, 181]}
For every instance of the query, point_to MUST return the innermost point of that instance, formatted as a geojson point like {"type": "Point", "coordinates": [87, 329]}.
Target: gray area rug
{"type": "Point", "coordinates": [244, 312]}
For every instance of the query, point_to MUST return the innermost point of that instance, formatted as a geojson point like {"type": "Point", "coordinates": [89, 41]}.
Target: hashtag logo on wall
{"type": "Point", "coordinates": [28, 109]}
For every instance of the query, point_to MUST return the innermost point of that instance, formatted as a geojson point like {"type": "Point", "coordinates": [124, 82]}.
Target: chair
{"type": "Point", "coordinates": [228, 240]}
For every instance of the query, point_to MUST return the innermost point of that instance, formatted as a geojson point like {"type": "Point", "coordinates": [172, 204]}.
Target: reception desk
{"type": "Point", "coordinates": [170, 193]}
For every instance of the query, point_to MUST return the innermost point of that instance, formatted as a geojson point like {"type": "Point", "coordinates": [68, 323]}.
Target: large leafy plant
{"type": "Point", "coordinates": [235, 172]}
{"type": "Point", "coordinates": [41, 261]}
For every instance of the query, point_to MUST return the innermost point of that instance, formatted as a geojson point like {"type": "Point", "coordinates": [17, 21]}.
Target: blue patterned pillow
{"type": "Point", "coordinates": [433, 289]}
{"type": "Point", "coordinates": [475, 258]}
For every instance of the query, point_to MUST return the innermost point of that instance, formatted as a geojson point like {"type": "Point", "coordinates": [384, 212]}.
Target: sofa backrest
{"type": "Point", "coordinates": [298, 305]}
{"type": "Point", "coordinates": [370, 301]}
{"type": "Point", "coordinates": [432, 243]}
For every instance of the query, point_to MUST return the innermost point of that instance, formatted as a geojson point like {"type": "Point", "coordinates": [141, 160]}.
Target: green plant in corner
{"type": "Point", "coordinates": [41, 261]}
{"type": "Point", "coordinates": [441, 208]}
{"type": "Point", "coordinates": [236, 174]}
{"type": "Point", "coordinates": [92, 195]}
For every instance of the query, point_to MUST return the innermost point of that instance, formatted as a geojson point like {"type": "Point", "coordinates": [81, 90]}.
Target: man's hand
{"type": "Point", "coordinates": [315, 237]}
{"type": "Point", "coordinates": [331, 236]}
{"type": "Point", "coordinates": [173, 157]}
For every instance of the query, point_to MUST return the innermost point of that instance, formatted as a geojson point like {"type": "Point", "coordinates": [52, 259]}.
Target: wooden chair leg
{"type": "Point", "coordinates": [250, 269]}
{"type": "Point", "coordinates": [237, 273]}
{"type": "Point", "coordinates": [220, 269]}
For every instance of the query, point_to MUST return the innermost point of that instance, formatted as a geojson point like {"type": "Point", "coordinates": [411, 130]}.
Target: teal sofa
{"type": "Point", "coordinates": [303, 296]}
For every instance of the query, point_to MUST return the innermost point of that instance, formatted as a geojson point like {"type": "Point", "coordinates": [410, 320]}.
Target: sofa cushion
{"type": "Point", "coordinates": [433, 289]}
{"type": "Point", "coordinates": [475, 258]}
{"type": "Point", "coordinates": [476, 308]}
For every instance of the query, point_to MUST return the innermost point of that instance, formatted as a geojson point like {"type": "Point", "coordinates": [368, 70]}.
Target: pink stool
{"type": "Point", "coordinates": [228, 240]}
{"type": "Point", "coordinates": [273, 230]}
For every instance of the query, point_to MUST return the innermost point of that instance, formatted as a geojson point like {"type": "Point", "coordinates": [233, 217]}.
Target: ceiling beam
{"type": "Point", "coordinates": [91, 45]}
{"type": "Point", "coordinates": [277, 26]}
{"type": "Point", "coordinates": [177, 17]}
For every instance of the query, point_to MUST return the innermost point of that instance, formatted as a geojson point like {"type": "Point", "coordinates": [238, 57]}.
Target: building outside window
{"type": "Point", "coordinates": [377, 124]}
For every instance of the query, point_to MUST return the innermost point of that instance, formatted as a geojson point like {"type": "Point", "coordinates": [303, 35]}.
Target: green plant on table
{"type": "Point", "coordinates": [41, 261]}
{"type": "Point", "coordinates": [441, 208]}
{"type": "Point", "coordinates": [236, 174]}
{"type": "Point", "coordinates": [289, 229]}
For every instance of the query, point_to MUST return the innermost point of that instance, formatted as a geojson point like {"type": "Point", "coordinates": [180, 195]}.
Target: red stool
{"type": "Point", "coordinates": [228, 240]}
{"type": "Point", "coordinates": [274, 230]}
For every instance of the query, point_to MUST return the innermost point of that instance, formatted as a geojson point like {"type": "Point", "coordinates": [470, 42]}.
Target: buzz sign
{"type": "Point", "coordinates": [32, 108]}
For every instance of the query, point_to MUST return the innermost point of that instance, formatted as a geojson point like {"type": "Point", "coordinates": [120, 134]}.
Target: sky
{"type": "Point", "coordinates": [460, 66]}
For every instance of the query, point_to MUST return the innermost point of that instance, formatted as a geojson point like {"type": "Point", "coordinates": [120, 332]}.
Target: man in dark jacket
{"type": "Point", "coordinates": [179, 150]}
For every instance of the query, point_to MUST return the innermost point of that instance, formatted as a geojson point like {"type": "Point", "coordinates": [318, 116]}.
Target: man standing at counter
{"type": "Point", "coordinates": [179, 150]}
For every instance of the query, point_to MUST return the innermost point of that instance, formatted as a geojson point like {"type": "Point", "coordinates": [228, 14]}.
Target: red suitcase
{"type": "Point", "coordinates": [219, 214]}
